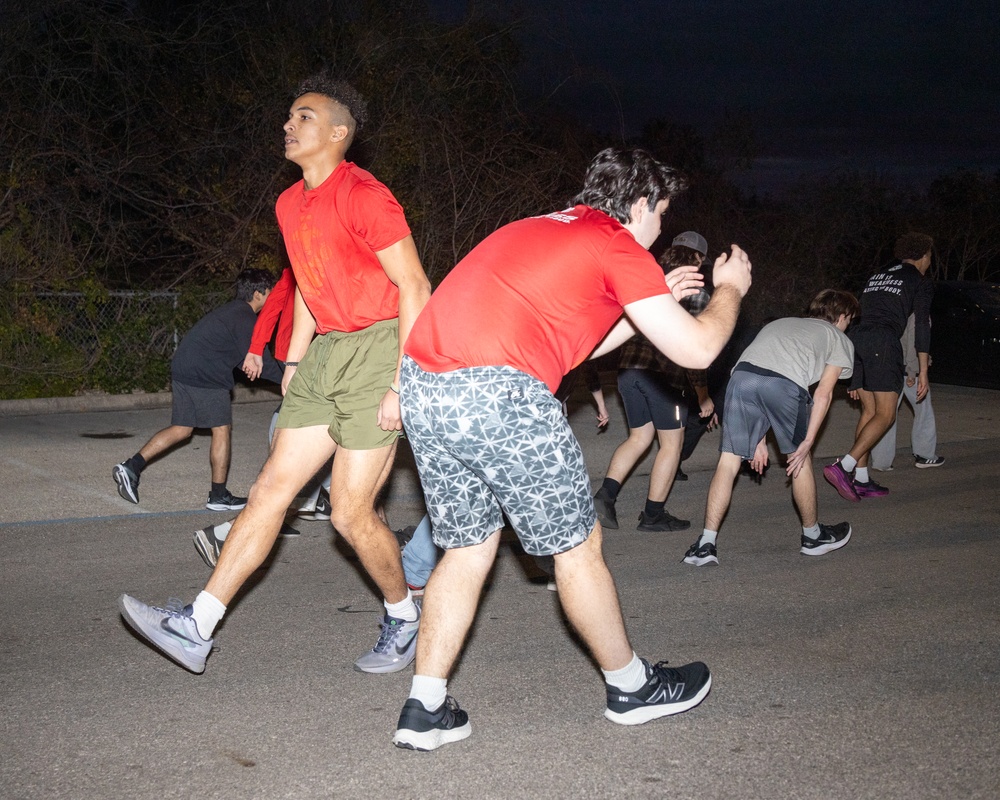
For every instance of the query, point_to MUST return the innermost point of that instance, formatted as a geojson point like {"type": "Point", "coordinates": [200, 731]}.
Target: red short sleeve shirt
{"type": "Point", "coordinates": [331, 234]}
{"type": "Point", "coordinates": [537, 295]}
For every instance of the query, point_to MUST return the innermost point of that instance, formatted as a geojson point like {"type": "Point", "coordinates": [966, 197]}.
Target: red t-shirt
{"type": "Point", "coordinates": [537, 295]}
{"type": "Point", "coordinates": [278, 310]}
{"type": "Point", "coordinates": [331, 234]}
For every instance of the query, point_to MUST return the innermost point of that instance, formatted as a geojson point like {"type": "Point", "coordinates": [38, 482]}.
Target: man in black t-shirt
{"type": "Point", "coordinates": [202, 383]}
{"type": "Point", "coordinates": [889, 298]}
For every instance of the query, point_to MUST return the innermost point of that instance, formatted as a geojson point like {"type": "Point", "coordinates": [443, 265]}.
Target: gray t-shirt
{"type": "Point", "coordinates": [800, 349]}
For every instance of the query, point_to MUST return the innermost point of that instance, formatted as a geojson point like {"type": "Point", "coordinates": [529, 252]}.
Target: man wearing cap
{"type": "Point", "coordinates": [654, 389]}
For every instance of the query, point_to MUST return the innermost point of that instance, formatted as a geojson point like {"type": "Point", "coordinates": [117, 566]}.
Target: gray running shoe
{"type": "Point", "coordinates": [395, 649]}
{"type": "Point", "coordinates": [420, 729]}
{"type": "Point", "coordinates": [605, 508]}
{"type": "Point", "coordinates": [128, 482]}
{"type": "Point", "coordinates": [170, 630]}
{"type": "Point", "coordinates": [321, 511]}
{"type": "Point", "coordinates": [831, 537]}
{"type": "Point", "coordinates": [208, 543]}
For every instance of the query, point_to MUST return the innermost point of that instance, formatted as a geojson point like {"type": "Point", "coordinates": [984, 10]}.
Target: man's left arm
{"type": "Point", "coordinates": [922, 333]}
{"type": "Point", "coordinates": [402, 266]}
{"type": "Point", "coordinates": [822, 398]}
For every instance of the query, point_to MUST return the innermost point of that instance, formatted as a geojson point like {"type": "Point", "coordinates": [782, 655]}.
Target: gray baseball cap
{"type": "Point", "coordinates": [693, 240]}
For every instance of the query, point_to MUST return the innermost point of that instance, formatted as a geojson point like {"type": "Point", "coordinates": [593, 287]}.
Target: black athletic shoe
{"type": "Point", "coordinates": [700, 555]}
{"type": "Point", "coordinates": [664, 522]}
{"type": "Point", "coordinates": [605, 508]}
{"type": "Point", "coordinates": [926, 463]}
{"type": "Point", "coordinates": [321, 511]}
{"type": "Point", "coordinates": [680, 475]}
{"type": "Point", "coordinates": [666, 691]}
{"type": "Point", "coordinates": [831, 537]}
{"type": "Point", "coordinates": [128, 482]}
{"type": "Point", "coordinates": [420, 729]}
{"type": "Point", "coordinates": [225, 502]}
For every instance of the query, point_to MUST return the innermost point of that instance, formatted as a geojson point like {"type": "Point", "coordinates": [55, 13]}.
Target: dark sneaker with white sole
{"type": "Point", "coordinates": [170, 630]}
{"type": "Point", "coordinates": [700, 555]}
{"type": "Point", "coordinates": [226, 501]}
{"type": "Point", "coordinates": [208, 543]}
{"type": "Point", "coordinates": [321, 511]}
{"type": "Point", "coordinates": [420, 729]}
{"type": "Point", "coordinates": [395, 649]}
{"type": "Point", "coordinates": [666, 691]}
{"type": "Point", "coordinates": [831, 537]}
{"type": "Point", "coordinates": [128, 482]}
{"type": "Point", "coordinates": [605, 508]}
{"type": "Point", "coordinates": [926, 463]}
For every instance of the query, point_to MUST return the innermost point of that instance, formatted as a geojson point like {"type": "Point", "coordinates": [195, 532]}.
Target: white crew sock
{"type": "Point", "coordinates": [629, 678]}
{"type": "Point", "coordinates": [221, 530]}
{"type": "Point", "coordinates": [405, 609]}
{"type": "Point", "coordinates": [848, 463]}
{"type": "Point", "coordinates": [429, 691]}
{"type": "Point", "coordinates": [811, 532]}
{"type": "Point", "coordinates": [207, 610]}
{"type": "Point", "coordinates": [708, 537]}
{"type": "Point", "coordinates": [861, 475]}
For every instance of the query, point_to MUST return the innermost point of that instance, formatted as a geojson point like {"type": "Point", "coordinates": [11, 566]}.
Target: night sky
{"type": "Point", "coordinates": [910, 90]}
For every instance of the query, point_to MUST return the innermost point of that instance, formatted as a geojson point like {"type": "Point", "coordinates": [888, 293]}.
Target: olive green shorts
{"type": "Point", "coordinates": [340, 382]}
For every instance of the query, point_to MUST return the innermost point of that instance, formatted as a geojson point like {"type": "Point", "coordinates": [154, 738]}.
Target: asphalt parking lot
{"type": "Point", "coordinates": [872, 672]}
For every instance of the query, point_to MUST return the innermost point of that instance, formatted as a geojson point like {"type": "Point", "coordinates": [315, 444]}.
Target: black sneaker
{"type": "Point", "coordinates": [926, 463]}
{"type": "Point", "coordinates": [701, 554]}
{"type": "Point", "coordinates": [605, 508]}
{"type": "Point", "coordinates": [225, 502]}
{"type": "Point", "coordinates": [420, 729]}
{"type": "Point", "coordinates": [208, 544]}
{"type": "Point", "coordinates": [128, 482]}
{"type": "Point", "coordinates": [321, 511]}
{"type": "Point", "coordinates": [831, 537]}
{"type": "Point", "coordinates": [666, 691]}
{"type": "Point", "coordinates": [680, 475]}
{"type": "Point", "coordinates": [664, 522]}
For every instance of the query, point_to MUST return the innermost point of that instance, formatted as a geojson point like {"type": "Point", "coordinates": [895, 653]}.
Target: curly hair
{"type": "Point", "coordinates": [912, 246]}
{"type": "Point", "coordinates": [340, 92]}
{"type": "Point", "coordinates": [618, 178]}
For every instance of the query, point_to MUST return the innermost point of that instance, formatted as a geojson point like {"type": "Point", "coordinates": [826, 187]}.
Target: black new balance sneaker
{"type": "Point", "coordinates": [420, 729]}
{"type": "Point", "coordinates": [666, 691]}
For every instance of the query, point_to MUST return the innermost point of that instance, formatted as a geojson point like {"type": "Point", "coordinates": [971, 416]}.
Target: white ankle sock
{"type": "Point", "coordinates": [221, 530]}
{"type": "Point", "coordinates": [207, 610]}
{"type": "Point", "coordinates": [629, 678]}
{"type": "Point", "coordinates": [811, 533]}
{"type": "Point", "coordinates": [848, 463]}
{"type": "Point", "coordinates": [429, 691]}
{"type": "Point", "coordinates": [405, 609]}
{"type": "Point", "coordinates": [861, 475]}
{"type": "Point", "coordinates": [708, 537]}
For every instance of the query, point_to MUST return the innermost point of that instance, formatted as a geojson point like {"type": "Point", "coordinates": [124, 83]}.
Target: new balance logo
{"type": "Point", "coordinates": [666, 693]}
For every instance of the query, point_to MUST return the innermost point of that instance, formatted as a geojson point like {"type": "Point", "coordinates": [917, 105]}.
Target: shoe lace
{"type": "Point", "coordinates": [175, 608]}
{"type": "Point", "coordinates": [390, 628]}
{"type": "Point", "coordinates": [666, 674]}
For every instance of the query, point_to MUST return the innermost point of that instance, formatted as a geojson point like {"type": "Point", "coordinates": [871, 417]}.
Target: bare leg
{"type": "Point", "coordinates": [296, 454]}
{"type": "Point", "coordinates": [164, 440]}
{"type": "Point", "coordinates": [878, 411]}
{"type": "Point", "coordinates": [220, 453]}
{"type": "Point", "coordinates": [450, 602]}
{"type": "Point", "coordinates": [357, 478]}
{"type": "Point", "coordinates": [661, 477]}
{"type": "Point", "coordinates": [630, 451]}
{"type": "Point", "coordinates": [720, 492]}
{"type": "Point", "coordinates": [804, 493]}
{"type": "Point", "coordinates": [589, 598]}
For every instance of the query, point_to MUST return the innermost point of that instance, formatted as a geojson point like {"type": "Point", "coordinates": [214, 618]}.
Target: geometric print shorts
{"type": "Point", "coordinates": [489, 442]}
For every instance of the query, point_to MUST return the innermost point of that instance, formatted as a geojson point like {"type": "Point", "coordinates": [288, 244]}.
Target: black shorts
{"type": "Point", "coordinates": [878, 359]}
{"type": "Point", "coordinates": [758, 400]}
{"type": "Point", "coordinates": [196, 407]}
{"type": "Point", "coordinates": [649, 397]}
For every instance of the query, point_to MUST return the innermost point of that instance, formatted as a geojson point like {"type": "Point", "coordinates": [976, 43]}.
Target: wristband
{"type": "Point", "coordinates": [394, 387]}
{"type": "Point", "coordinates": [291, 363]}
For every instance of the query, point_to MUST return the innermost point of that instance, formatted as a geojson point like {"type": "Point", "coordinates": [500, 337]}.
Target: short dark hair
{"type": "Point", "coordinates": [913, 246]}
{"type": "Point", "coordinates": [831, 303]}
{"type": "Point", "coordinates": [253, 280]}
{"type": "Point", "coordinates": [340, 92]}
{"type": "Point", "coordinates": [618, 178]}
{"type": "Point", "coordinates": [680, 255]}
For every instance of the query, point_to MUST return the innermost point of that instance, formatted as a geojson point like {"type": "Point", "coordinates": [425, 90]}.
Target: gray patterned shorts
{"type": "Point", "coordinates": [490, 441]}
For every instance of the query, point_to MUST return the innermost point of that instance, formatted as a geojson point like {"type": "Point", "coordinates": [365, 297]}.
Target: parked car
{"type": "Point", "coordinates": [965, 334]}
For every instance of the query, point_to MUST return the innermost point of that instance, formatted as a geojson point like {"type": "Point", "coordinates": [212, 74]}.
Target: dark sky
{"type": "Point", "coordinates": [909, 89]}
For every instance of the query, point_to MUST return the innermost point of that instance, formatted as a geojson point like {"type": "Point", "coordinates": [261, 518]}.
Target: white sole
{"type": "Point", "coordinates": [430, 740]}
{"type": "Point", "coordinates": [648, 713]}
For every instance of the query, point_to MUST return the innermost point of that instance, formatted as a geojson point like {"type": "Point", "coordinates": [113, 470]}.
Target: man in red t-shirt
{"type": "Point", "coordinates": [490, 440]}
{"type": "Point", "coordinates": [360, 286]}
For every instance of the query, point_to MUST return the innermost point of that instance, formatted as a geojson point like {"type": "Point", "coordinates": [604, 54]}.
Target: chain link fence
{"type": "Point", "coordinates": [59, 344]}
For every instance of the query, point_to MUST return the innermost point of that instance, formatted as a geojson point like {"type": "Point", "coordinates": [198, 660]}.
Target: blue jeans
{"type": "Point", "coordinates": [420, 554]}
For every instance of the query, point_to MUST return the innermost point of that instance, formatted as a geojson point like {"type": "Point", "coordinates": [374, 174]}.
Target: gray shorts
{"type": "Point", "coordinates": [490, 441]}
{"type": "Point", "coordinates": [758, 400]}
{"type": "Point", "coordinates": [195, 407]}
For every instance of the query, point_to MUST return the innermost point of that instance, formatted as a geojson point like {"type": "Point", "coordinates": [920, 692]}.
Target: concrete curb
{"type": "Point", "coordinates": [120, 402]}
